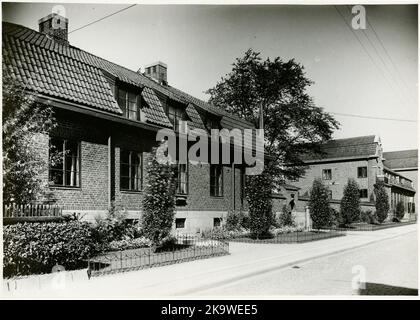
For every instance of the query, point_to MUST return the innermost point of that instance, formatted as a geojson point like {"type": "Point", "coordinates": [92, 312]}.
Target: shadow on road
{"type": "Point", "coordinates": [378, 289]}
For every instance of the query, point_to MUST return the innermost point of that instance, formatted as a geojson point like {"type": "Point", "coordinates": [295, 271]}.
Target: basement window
{"type": "Point", "coordinates": [180, 223]}
{"type": "Point", "coordinates": [363, 193]}
{"type": "Point", "coordinates": [326, 174]}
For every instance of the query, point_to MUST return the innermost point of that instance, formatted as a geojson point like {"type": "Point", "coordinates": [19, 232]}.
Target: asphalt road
{"type": "Point", "coordinates": [388, 267]}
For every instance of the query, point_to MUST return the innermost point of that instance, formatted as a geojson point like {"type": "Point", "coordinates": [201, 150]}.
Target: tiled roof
{"type": "Point", "coordinates": [196, 122]}
{"type": "Point", "coordinates": [72, 74]}
{"type": "Point", "coordinates": [401, 159]}
{"type": "Point", "coordinates": [154, 110]}
{"type": "Point", "coordinates": [346, 148]}
{"type": "Point", "coordinates": [26, 57]}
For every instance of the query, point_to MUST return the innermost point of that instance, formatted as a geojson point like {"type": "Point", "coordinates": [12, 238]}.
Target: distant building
{"type": "Point", "coordinates": [360, 158]}
{"type": "Point", "coordinates": [405, 163]}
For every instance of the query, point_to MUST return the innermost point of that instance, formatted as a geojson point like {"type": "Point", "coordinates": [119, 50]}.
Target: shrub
{"type": "Point", "coordinates": [285, 218]}
{"type": "Point", "coordinates": [286, 229]}
{"type": "Point", "coordinates": [258, 194]}
{"type": "Point", "coordinates": [350, 203]}
{"type": "Point", "coordinates": [399, 210]}
{"type": "Point", "coordinates": [382, 201]}
{"type": "Point", "coordinates": [368, 217]}
{"type": "Point", "coordinates": [158, 201]}
{"type": "Point", "coordinates": [233, 220]}
{"type": "Point", "coordinates": [33, 248]}
{"type": "Point", "coordinates": [126, 244]}
{"type": "Point", "coordinates": [319, 205]}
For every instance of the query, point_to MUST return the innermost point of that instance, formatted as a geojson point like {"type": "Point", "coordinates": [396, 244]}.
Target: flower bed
{"type": "Point", "coordinates": [135, 259]}
{"type": "Point", "coordinates": [372, 227]}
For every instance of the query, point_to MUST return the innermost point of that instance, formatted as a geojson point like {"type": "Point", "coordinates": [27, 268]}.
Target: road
{"type": "Point", "coordinates": [390, 268]}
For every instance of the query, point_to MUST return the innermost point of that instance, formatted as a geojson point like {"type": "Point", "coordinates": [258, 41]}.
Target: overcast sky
{"type": "Point", "coordinates": [200, 43]}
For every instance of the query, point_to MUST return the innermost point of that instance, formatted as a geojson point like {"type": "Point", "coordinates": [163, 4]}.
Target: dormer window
{"type": "Point", "coordinates": [176, 115]}
{"type": "Point", "coordinates": [130, 104]}
{"type": "Point", "coordinates": [212, 123]}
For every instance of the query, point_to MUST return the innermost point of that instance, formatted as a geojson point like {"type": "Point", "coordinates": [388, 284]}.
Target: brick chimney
{"type": "Point", "coordinates": [158, 71]}
{"type": "Point", "coordinates": [56, 26]}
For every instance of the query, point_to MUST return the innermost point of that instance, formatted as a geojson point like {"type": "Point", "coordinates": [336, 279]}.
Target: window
{"type": "Point", "coordinates": [180, 223]}
{"type": "Point", "coordinates": [363, 193]}
{"type": "Point", "coordinates": [130, 104]}
{"type": "Point", "coordinates": [212, 123]}
{"type": "Point", "coordinates": [176, 115]}
{"type": "Point", "coordinates": [217, 222]}
{"type": "Point", "coordinates": [329, 194]}
{"type": "Point", "coordinates": [326, 174]}
{"type": "Point", "coordinates": [216, 180]}
{"type": "Point", "coordinates": [362, 172]}
{"type": "Point", "coordinates": [64, 170]}
{"type": "Point", "coordinates": [131, 177]}
{"type": "Point", "coordinates": [182, 179]}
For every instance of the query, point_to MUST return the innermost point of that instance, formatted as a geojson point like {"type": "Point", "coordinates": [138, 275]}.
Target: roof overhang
{"type": "Point", "coordinates": [341, 159]}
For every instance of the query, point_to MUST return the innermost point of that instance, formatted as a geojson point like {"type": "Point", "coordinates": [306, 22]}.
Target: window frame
{"type": "Point", "coordinates": [360, 193]}
{"type": "Point", "coordinates": [183, 220]}
{"type": "Point", "coordinates": [140, 117]}
{"type": "Point", "coordinates": [63, 170]}
{"type": "Point", "coordinates": [130, 166]}
{"type": "Point", "coordinates": [221, 186]}
{"type": "Point", "coordinates": [359, 176]}
{"type": "Point", "coordinates": [186, 179]}
{"type": "Point", "coordinates": [324, 176]}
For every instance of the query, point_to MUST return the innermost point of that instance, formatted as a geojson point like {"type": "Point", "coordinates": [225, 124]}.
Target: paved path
{"type": "Point", "coordinates": [186, 279]}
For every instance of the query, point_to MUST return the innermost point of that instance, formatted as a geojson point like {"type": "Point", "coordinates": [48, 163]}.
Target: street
{"type": "Point", "coordinates": [390, 268]}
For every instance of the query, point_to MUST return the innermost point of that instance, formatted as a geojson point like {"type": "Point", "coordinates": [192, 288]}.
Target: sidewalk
{"type": "Point", "coordinates": [184, 279]}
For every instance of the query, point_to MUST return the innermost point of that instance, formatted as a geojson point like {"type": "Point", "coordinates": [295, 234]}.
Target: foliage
{"type": "Point", "coordinates": [319, 205]}
{"type": "Point", "coordinates": [25, 124]}
{"type": "Point", "coordinates": [258, 194]}
{"type": "Point", "coordinates": [382, 201]}
{"type": "Point", "coordinates": [236, 220]}
{"type": "Point", "coordinates": [368, 217]}
{"type": "Point", "coordinates": [285, 218]}
{"type": "Point", "coordinates": [293, 125]}
{"type": "Point", "coordinates": [350, 203]}
{"type": "Point", "coordinates": [286, 229]}
{"type": "Point", "coordinates": [158, 201]}
{"type": "Point", "coordinates": [223, 233]}
{"type": "Point", "coordinates": [119, 245]}
{"type": "Point", "coordinates": [399, 210]}
{"type": "Point", "coordinates": [32, 248]}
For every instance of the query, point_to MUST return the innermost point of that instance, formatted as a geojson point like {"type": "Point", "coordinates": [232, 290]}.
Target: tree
{"type": "Point", "coordinates": [382, 201]}
{"type": "Point", "coordinates": [350, 203]}
{"type": "Point", "coordinates": [159, 199]}
{"type": "Point", "coordinates": [258, 194]}
{"type": "Point", "coordinates": [399, 210]}
{"type": "Point", "coordinates": [25, 123]}
{"type": "Point", "coordinates": [319, 205]}
{"type": "Point", "coordinates": [293, 125]}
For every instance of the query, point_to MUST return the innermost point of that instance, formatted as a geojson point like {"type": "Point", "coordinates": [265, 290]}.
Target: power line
{"type": "Point", "coordinates": [103, 18]}
{"type": "Point", "coordinates": [364, 48]}
{"type": "Point", "coordinates": [398, 83]}
{"type": "Point", "coordinates": [371, 117]}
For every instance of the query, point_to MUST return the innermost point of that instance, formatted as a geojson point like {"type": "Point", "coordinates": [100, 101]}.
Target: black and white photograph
{"type": "Point", "coordinates": [209, 151]}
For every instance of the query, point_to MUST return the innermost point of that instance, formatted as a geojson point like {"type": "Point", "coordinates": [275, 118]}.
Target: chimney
{"type": "Point", "coordinates": [55, 26]}
{"type": "Point", "coordinates": [158, 71]}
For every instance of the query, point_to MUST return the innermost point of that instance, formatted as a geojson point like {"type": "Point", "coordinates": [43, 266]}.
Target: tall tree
{"type": "Point", "coordinates": [382, 201]}
{"type": "Point", "coordinates": [319, 205]}
{"type": "Point", "coordinates": [350, 203]}
{"type": "Point", "coordinates": [293, 125]}
{"type": "Point", "coordinates": [25, 123]}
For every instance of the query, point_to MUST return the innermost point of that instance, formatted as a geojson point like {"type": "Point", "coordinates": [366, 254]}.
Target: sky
{"type": "Point", "coordinates": [376, 77]}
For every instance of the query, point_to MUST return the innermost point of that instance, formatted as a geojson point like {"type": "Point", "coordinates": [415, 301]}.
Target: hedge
{"type": "Point", "coordinates": [33, 248]}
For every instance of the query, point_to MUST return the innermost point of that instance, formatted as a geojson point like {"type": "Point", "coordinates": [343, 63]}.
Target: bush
{"type": "Point", "coordinates": [258, 194]}
{"type": "Point", "coordinates": [368, 217]}
{"type": "Point", "coordinates": [286, 229]}
{"type": "Point", "coordinates": [223, 233]}
{"type": "Point", "coordinates": [34, 248]}
{"type": "Point", "coordinates": [399, 210]}
{"type": "Point", "coordinates": [158, 201]}
{"type": "Point", "coordinates": [382, 201]}
{"type": "Point", "coordinates": [136, 243]}
{"type": "Point", "coordinates": [236, 220]}
{"type": "Point", "coordinates": [350, 203]}
{"type": "Point", "coordinates": [285, 218]}
{"type": "Point", "coordinates": [319, 205]}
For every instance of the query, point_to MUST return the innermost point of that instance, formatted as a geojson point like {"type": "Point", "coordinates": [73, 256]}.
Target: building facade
{"type": "Point", "coordinates": [362, 159]}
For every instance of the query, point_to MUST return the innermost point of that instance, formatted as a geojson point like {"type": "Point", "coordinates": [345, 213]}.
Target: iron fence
{"type": "Point", "coordinates": [186, 248]}
{"type": "Point", "coordinates": [290, 237]}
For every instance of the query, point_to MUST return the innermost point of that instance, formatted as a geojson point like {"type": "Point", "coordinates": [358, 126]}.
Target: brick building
{"type": "Point", "coordinates": [107, 119]}
{"type": "Point", "coordinates": [362, 159]}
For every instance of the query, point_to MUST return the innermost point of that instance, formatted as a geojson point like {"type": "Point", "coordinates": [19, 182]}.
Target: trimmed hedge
{"type": "Point", "coordinates": [34, 248]}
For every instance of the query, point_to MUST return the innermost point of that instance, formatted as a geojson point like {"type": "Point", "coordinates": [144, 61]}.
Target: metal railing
{"type": "Point", "coordinates": [31, 210]}
{"type": "Point", "coordinates": [186, 248]}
